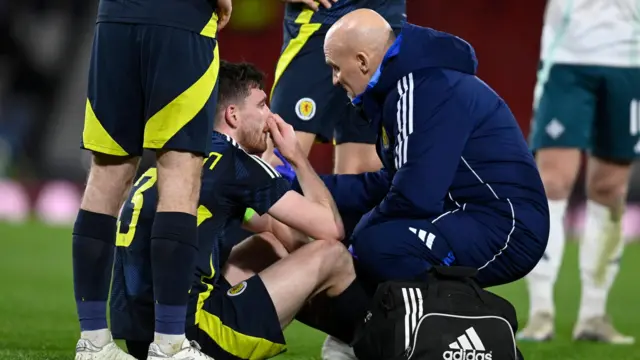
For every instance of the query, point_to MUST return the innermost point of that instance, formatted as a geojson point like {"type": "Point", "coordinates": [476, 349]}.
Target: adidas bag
{"type": "Point", "coordinates": [448, 317]}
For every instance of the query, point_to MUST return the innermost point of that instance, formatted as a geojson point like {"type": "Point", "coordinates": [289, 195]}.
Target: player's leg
{"type": "Point", "coordinates": [256, 254]}
{"type": "Point", "coordinates": [318, 267]}
{"type": "Point", "coordinates": [252, 256]}
{"type": "Point", "coordinates": [302, 89]}
{"type": "Point", "coordinates": [355, 150]}
{"type": "Point", "coordinates": [616, 139]}
{"type": "Point", "coordinates": [180, 106]}
{"type": "Point", "coordinates": [275, 296]}
{"type": "Point", "coordinates": [561, 130]}
{"type": "Point", "coordinates": [356, 158]}
{"type": "Point", "coordinates": [112, 128]}
{"type": "Point", "coordinates": [502, 255]}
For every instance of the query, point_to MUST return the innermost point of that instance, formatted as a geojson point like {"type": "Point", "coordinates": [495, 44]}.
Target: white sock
{"type": "Point", "coordinates": [601, 248]}
{"type": "Point", "coordinates": [98, 338]}
{"type": "Point", "coordinates": [543, 277]}
{"type": "Point", "coordinates": [169, 344]}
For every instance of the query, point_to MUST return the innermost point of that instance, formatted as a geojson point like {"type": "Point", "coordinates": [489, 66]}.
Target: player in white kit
{"type": "Point", "coordinates": [587, 99]}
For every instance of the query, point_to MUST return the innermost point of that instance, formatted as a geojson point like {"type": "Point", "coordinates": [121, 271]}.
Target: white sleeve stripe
{"type": "Point", "coordinates": [405, 146]}
{"type": "Point", "coordinates": [404, 118]}
{"type": "Point", "coordinates": [399, 119]}
{"type": "Point", "coordinates": [399, 111]}
{"type": "Point", "coordinates": [271, 171]}
{"type": "Point", "coordinates": [410, 131]}
{"type": "Point", "coordinates": [403, 131]}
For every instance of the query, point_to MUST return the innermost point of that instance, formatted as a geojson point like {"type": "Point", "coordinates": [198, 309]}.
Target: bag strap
{"type": "Point", "coordinates": [454, 271]}
{"type": "Point", "coordinates": [460, 273]}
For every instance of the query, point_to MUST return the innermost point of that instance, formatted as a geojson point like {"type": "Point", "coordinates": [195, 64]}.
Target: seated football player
{"type": "Point", "coordinates": [237, 309]}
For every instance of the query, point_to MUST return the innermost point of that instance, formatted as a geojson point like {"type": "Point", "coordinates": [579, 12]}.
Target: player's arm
{"type": "Point", "coordinates": [357, 193]}
{"type": "Point", "coordinates": [315, 213]}
{"type": "Point", "coordinates": [353, 193]}
{"type": "Point", "coordinates": [266, 191]}
{"type": "Point", "coordinates": [435, 135]}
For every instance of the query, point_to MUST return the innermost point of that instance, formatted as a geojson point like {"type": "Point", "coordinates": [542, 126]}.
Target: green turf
{"type": "Point", "coordinates": [38, 321]}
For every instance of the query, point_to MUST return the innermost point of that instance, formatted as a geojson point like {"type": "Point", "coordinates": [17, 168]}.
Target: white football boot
{"type": "Point", "coordinates": [190, 350]}
{"type": "Point", "coordinates": [85, 350]}
{"type": "Point", "coordinates": [334, 349]}
{"type": "Point", "coordinates": [600, 329]}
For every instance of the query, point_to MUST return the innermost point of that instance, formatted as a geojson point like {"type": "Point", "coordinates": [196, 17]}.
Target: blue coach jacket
{"type": "Point", "coordinates": [447, 141]}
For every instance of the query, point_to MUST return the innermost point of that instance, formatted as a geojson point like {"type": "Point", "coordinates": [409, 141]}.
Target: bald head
{"type": "Point", "coordinates": [355, 46]}
{"type": "Point", "coordinates": [360, 30]}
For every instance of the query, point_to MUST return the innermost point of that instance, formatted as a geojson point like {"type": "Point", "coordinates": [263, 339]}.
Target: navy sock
{"type": "Point", "coordinates": [351, 306]}
{"type": "Point", "coordinates": [174, 241]}
{"type": "Point", "coordinates": [94, 237]}
{"type": "Point", "coordinates": [337, 316]}
{"type": "Point", "coordinates": [318, 314]}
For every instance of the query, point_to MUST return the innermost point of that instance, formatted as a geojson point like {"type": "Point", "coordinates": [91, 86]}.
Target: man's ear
{"type": "Point", "coordinates": [364, 63]}
{"type": "Point", "coordinates": [231, 116]}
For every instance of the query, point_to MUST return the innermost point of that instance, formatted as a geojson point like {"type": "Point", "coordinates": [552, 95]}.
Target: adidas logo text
{"type": "Point", "coordinates": [468, 346]}
{"type": "Point", "coordinates": [466, 355]}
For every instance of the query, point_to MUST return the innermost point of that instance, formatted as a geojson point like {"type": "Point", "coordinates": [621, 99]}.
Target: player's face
{"type": "Point", "coordinates": [253, 122]}
{"type": "Point", "coordinates": [347, 70]}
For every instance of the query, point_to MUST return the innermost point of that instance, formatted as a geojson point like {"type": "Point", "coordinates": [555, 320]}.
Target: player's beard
{"type": "Point", "coordinates": [254, 140]}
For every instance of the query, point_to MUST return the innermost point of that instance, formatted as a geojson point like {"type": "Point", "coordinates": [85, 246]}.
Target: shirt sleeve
{"type": "Point", "coordinates": [262, 186]}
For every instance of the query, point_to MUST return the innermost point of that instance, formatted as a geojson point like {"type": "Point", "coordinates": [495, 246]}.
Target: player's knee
{"type": "Point", "coordinates": [343, 261]}
{"type": "Point", "coordinates": [352, 158]}
{"type": "Point", "coordinates": [252, 256]}
{"type": "Point", "coordinates": [608, 184]}
{"type": "Point", "coordinates": [110, 178]}
{"type": "Point", "coordinates": [258, 251]}
{"type": "Point", "coordinates": [179, 178]}
{"type": "Point", "coordinates": [558, 170]}
{"type": "Point", "coordinates": [608, 193]}
{"type": "Point", "coordinates": [333, 257]}
{"type": "Point", "coordinates": [558, 184]}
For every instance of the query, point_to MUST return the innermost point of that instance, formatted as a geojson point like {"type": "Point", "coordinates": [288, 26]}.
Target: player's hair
{"type": "Point", "coordinates": [235, 81]}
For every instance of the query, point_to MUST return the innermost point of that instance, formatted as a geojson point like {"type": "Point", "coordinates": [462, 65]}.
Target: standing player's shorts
{"type": "Point", "coordinates": [151, 87]}
{"type": "Point", "coordinates": [304, 94]}
{"type": "Point", "coordinates": [593, 108]}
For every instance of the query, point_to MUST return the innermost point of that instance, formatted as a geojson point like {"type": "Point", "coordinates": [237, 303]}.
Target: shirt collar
{"type": "Point", "coordinates": [226, 137]}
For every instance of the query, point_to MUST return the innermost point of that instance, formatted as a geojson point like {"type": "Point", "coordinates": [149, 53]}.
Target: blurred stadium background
{"type": "Point", "coordinates": [44, 53]}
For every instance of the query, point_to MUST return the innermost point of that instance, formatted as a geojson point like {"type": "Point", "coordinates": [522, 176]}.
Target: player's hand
{"type": "Point", "coordinates": [284, 139]}
{"type": "Point", "coordinates": [313, 4]}
{"type": "Point", "coordinates": [223, 10]}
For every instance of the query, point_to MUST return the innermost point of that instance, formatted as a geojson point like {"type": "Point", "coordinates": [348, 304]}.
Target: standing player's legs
{"type": "Point", "coordinates": [113, 127]}
{"type": "Point", "coordinates": [302, 88]}
{"type": "Point", "coordinates": [305, 97]}
{"type": "Point", "coordinates": [180, 105]}
{"type": "Point", "coordinates": [562, 129]}
{"type": "Point", "coordinates": [615, 147]}
{"type": "Point", "coordinates": [355, 150]}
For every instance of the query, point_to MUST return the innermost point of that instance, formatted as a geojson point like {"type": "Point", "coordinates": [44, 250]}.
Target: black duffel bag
{"type": "Point", "coordinates": [447, 317]}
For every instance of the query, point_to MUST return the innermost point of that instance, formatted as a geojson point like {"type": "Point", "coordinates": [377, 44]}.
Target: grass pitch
{"type": "Point", "coordinates": [38, 320]}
